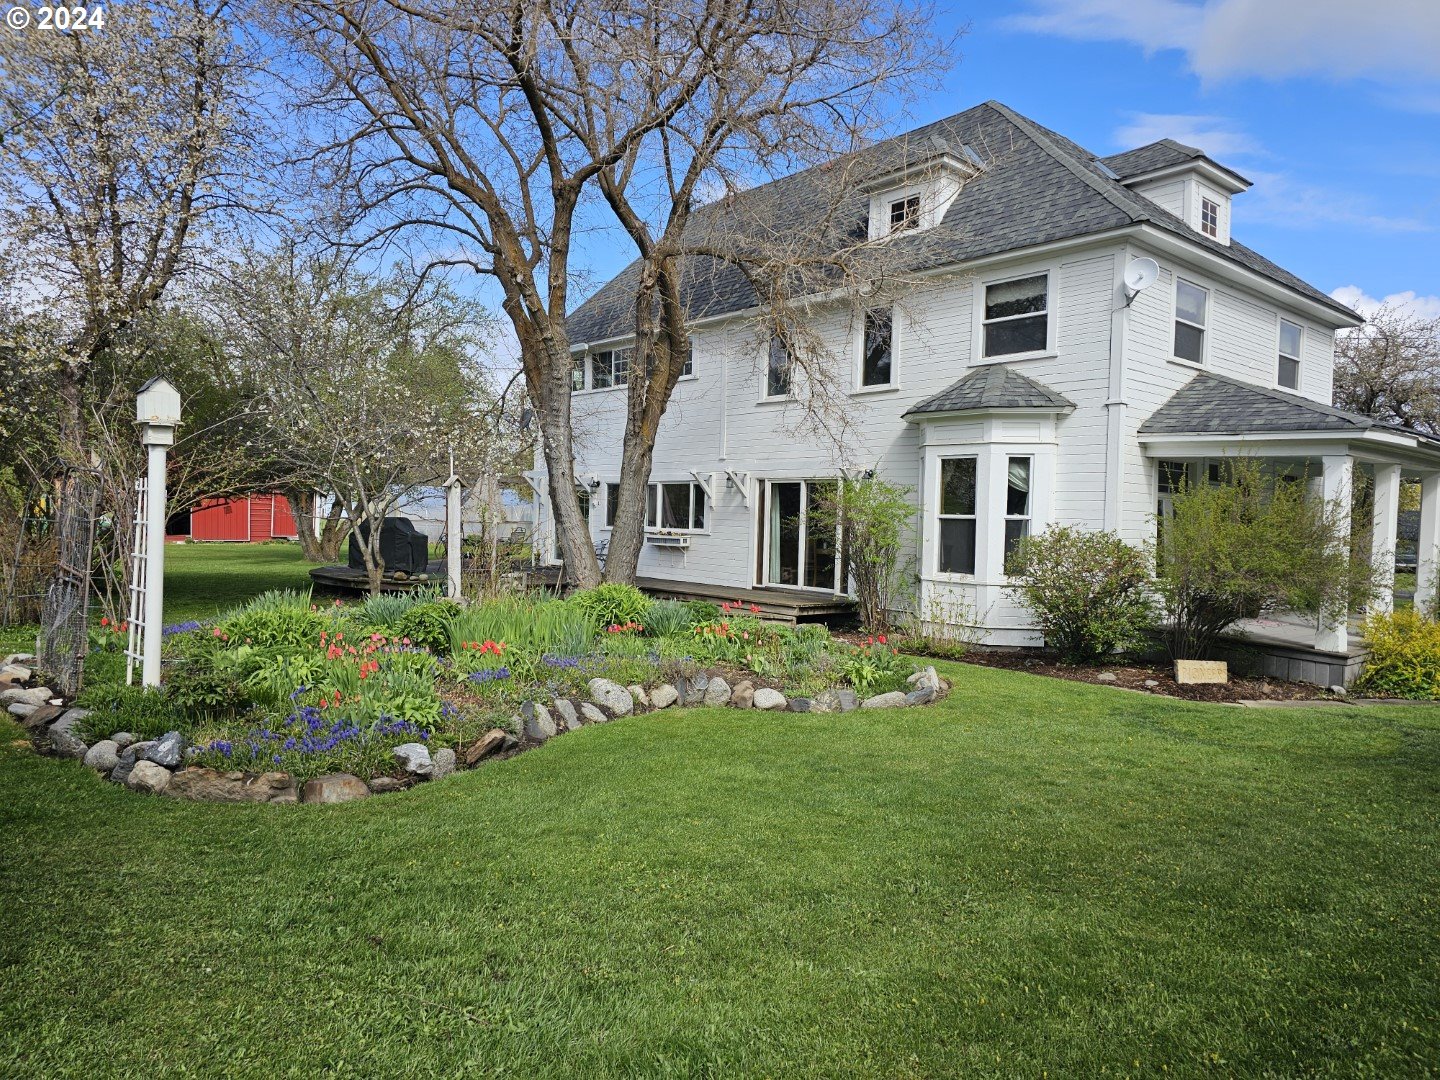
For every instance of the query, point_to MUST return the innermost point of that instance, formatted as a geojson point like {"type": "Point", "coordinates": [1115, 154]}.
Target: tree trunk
{"type": "Point", "coordinates": [333, 533]}
{"type": "Point", "coordinates": [302, 509]}
{"type": "Point", "coordinates": [572, 529]}
{"type": "Point", "coordinates": [63, 639]}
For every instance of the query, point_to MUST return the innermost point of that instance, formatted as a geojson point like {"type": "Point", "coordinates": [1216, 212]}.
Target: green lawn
{"type": "Point", "coordinates": [1034, 878]}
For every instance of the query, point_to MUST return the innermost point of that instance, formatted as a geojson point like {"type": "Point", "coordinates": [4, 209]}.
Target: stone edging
{"type": "Point", "coordinates": [157, 766]}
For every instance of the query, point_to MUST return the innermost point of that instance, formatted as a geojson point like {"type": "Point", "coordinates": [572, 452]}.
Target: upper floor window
{"type": "Point", "coordinates": [1290, 336]}
{"type": "Point", "coordinates": [675, 506]}
{"type": "Point", "coordinates": [688, 368]}
{"type": "Point", "coordinates": [577, 372]}
{"type": "Point", "coordinates": [778, 369]}
{"type": "Point", "coordinates": [1017, 316]}
{"type": "Point", "coordinates": [610, 367]}
{"type": "Point", "coordinates": [1210, 217]}
{"type": "Point", "coordinates": [876, 363]}
{"type": "Point", "coordinates": [905, 213]}
{"type": "Point", "coordinates": [1191, 307]}
{"type": "Point", "coordinates": [957, 516]}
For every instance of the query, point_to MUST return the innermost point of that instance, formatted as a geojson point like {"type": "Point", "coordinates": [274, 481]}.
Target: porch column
{"type": "Point", "coordinates": [1425, 550]}
{"type": "Point", "coordinates": [1385, 524]}
{"type": "Point", "coordinates": [1335, 486]}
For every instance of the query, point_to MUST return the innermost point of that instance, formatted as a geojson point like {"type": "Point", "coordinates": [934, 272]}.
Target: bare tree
{"type": "Point", "coordinates": [485, 125]}
{"type": "Point", "coordinates": [1390, 369]}
{"type": "Point", "coordinates": [118, 142]}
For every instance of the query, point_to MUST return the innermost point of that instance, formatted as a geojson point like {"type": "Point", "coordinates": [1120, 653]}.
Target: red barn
{"type": "Point", "coordinates": [252, 519]}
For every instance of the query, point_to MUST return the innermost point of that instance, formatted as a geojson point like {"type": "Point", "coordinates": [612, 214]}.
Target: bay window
{"type": "Point", "coordinates": [957, 516]}
{"type": "Point", "coordinates": [1017, 504]}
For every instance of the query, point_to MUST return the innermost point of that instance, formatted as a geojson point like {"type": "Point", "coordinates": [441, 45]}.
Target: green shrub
{"type": "Point", "coordinates": [203, 691]}
{"type": "Point", "coordinates": [1090, 592]}
{"type": "Point", "coordinates": [612, 603]}
{"type": "Point", "coordinates": [427, 625]}
{"type": "Point", "coordinates": [666, 618]}
{"type": "Point", "coordinates": [876, 667]}
{"type": "Point", "coordinates": [534, 626]}
{"type": "Point", "coordinates": [702, 611]}
{"type": "Point", "coordinates": [385, 612]}
{"type": "Point", "coordinates": [276, 627]}
{"type": "Point", "coordinates": [1404, 659]}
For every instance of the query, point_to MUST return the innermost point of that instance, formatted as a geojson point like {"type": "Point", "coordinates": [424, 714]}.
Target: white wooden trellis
{"type": "Point", "coordinates": [139, 567]}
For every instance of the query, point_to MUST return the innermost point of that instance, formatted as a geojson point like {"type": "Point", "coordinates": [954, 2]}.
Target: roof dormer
{"type": "Point", "coordinates": [1184, 181]}
{"type": "Point", "coordinates": [915, 193]}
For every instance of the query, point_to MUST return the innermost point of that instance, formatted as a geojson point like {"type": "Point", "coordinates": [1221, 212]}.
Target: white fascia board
{"type": "Point", "coordinates": [1232, 183]}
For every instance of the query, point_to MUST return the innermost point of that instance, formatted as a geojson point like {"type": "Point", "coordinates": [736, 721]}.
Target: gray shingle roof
{"type": "Point", "coordinates": [1161, 154]}
{"type": "Point", "coordinates": [1038, 187]}
{"type": "Point", "coordinates": [1211, 404]}
{"type": "Point", "coordinates": [993, 387]}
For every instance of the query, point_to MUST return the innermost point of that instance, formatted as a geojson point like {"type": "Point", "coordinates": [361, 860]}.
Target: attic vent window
{"type": "Point", "coordinates": [905, 213]}
{"type": "Point", "coordinates": [1210, 217]}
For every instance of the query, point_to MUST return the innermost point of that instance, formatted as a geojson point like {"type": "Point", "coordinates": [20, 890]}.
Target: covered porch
{"type": "Point", "coordinates": [1340, 456]}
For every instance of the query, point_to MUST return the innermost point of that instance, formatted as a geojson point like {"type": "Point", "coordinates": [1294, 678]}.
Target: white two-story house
{"type": "Point", "coordinates": [1084, 330]}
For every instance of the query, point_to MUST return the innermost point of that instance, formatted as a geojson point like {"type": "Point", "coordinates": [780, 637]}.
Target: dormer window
{"type": "Point", "coordinates": [1210, 218]}
{"type": "Point", "coordinates": [905, 213]}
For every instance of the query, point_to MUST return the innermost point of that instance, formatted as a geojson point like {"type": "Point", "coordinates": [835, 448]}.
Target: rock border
{"type": "Point", "coordinates": [159, 766]}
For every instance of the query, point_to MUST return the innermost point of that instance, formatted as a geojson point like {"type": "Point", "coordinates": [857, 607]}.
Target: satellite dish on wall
{"type": "Point", "coordinates": [1140, 275]}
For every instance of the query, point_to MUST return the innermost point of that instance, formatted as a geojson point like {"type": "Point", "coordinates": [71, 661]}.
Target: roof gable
{"type": "Point", "coordinates": [1211, 404]}
{"type": "Point", "coordinates": [992, 387]}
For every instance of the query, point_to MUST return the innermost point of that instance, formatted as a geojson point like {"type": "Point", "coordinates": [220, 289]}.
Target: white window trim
{"type": "Point", "coordinates": [978, 320]}
{"type": "Point", "coordinates": [978, 456]}
{"type": "Point", "coordinates": [1204, 361]}
{"type": "Point", "coordinates": [1204, 200]}
{"type": "Point", "coordinates": [1006, 516]}
{"type": "Point", "coordinates": [1299, 357]}
{"type": "Point", "coordinates": [893, 385]}
{"type": "Point", "coordinates": [659, 530]}
{"type": "Point", "coordinates": [778, 399]}
{"type": "Point", "coordinates": [888, 209]}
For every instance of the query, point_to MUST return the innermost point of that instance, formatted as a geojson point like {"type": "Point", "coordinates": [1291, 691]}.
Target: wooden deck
{"type": "Point", "coordinates": [345, 579]}
{"type": "Point", "coordinates": [775, 604]}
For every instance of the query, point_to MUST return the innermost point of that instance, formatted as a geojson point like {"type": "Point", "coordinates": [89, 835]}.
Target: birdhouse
{"type": "Point", "coordinates": [158, 403]}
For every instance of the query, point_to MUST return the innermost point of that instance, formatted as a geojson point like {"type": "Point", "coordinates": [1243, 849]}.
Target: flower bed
{"type": "Point", "coordinates": [402, 689]}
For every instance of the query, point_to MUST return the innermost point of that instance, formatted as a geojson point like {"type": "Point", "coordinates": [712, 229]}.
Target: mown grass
{"type": "Point", "coordinates": [1033, 878]}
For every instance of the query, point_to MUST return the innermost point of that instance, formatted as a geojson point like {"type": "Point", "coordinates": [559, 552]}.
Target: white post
{"type": "Point", "coordinates": [157, 411]}
{"type": "Point", "coordinates": [1425, 550]}
{"type": "Point", "coordinates": [156, 439]}
{"type": "Point", "coordinates": [452, 536]}
{"type": "Point", "coordinates": [1385, 524]}
{"type": "Point", "coordinates": [1335, 486]}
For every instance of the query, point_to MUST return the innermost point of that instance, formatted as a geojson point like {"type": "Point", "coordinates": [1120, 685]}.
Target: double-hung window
{"type": "Point", "coordinates": [688, 368]}
{"type": "Point", "coordinates": [957, 516]}
{"type": "Point", "coordinates": [610, 367]}
{"type": "Point", "coordinates": [877, 363]}
{"type": "Point", "coordinates": [1017, 316]}
{"type": "Point", "coordinates": [1291, 335]}
{"type": "Point", "coordinates": [612, 503]}
{"type": "Point", "coordinates": [675, 507]}
{"type": "Point", "coordinates": [1017, 504]}
{"type": "Point", "coordinates": [778, 369]}
{"type": "Point", "coordinates": [577, 372]}
{"type": "Point", "coordinates": [1191, 311]}
{"type": "Point", "coordinates": [905, 213]}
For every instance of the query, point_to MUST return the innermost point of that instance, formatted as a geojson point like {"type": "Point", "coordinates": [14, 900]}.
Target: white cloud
{"type": "Point", "coordinates": [1216, 135]}
{"type": "Point", "coordinates": [1422, 307]}
{"type": "Point", "coordinates": [1387, 40]}
{"type": "Point", "coordinates": [1280, 199]}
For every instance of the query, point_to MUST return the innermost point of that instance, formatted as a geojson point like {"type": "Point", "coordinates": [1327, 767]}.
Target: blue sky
{"type": "Point", "coordinates": [1331, 107]}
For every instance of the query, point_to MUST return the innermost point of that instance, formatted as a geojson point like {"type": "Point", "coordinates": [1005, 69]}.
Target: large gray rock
{"type": "Point", "coordinates": [67, 722]}
{"type": "Point", "coordinates": [137, 751]}
{"type": "Point", "coordinates": [18, 658]}
{"type": "Point", "coordinates": [921, 695]}
{"type": "Point", "coordinates": [387, 785]}
{"type": "Point", "coordinates": [537, 722]}
{"type": "Point", "coordinates": [37, 695]}
{"type": "Point", "coordinates": [567, 713]}
{"type": "Point", "coordinates": [611, 696]}
{"type": "Point", "coordinates": [65, 744]}
{"type": "Point", "coordinates": [444, 763]}
{"type": "Point", "coordinates": [826, 701]}
{"type": "Point", "coordinates": [166, 751]}
{"type": "Point", "coordinates": [638, 694]}
{"type": "Point", "coordinates": [123, 740]}
{"type": "Point", "coordinates": [718, 693]}
{"type": "Point", "coordinates": [695, 688]}
{"type": "Point", "coordinates": [211, 785]}
{"type": "Point", "coordinates": [15, 675]}
{"type": "Point", "coordinates": [414, 758]}
{"type": "Point", "coordinates": [926, 676]}
{"type": "Point", "coordinates": [770, 700]}
{"type": "Point", "coordinates": [334, 788]}
{"type": "Point", "coordinates": [103, 756]}
{"type": "Point", "coordinates": [149, 777]}
{"type": "Point", "coordinates": [801, 704]}
{"type": "Point", "coordinates": [121, 772]}
{"type": "Point", "coordinates": [895, 699]}
{"type": "Point", "coordinates": [42, 716]}
{"type": "Point", "coordinates": [743, 696]}
{"type": "Point", "coordinates": [663, 696]}
{"type": "Point", "coordinates": [593, 714]}
{"type": "Point", "coordinates": [74, 716]}
{"type": "Point", "coordinates": [849, 700]}
{"type": "Point", "coordinates": [1107, 676]}
{"type": "Point", "coordinates": [21, 711]}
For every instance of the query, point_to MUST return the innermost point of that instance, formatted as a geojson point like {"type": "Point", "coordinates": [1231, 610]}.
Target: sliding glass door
{"type": "Point", "coordinates": [800, 548]}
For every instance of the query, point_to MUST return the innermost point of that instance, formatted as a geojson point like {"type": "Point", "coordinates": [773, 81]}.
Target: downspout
{"type": "Point", "coordinates": [1115, 397]}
